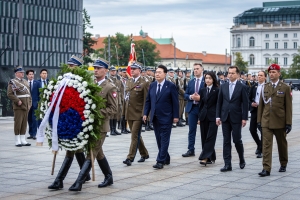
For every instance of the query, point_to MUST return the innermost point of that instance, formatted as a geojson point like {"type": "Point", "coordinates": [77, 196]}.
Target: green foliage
{"type": "Point", "coordinates": [122, 44]}
{"type": "Point", "coordinates": [88, 41]}
{"type": "Point", "coordinates": [239, 61]}
{"type": "Point", "coordinates": [94, 95]}
{"type": "Point", "coordinates": [294, 71]}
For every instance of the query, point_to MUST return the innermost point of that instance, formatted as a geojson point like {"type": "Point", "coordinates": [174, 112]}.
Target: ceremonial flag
{"type": "Point", "coordinates": [132, 58]}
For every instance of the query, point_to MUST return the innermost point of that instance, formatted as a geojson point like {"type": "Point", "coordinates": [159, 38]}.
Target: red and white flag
{"type": "Point", "coordinates": [132, 58]}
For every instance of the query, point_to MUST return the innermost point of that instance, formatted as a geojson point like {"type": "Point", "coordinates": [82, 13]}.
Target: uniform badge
{"type": "Point", "coordinates": [279, 92]}
{"type": "Point", "coordinates": [138, 86]}
{"type": "Point", "coordinates": [114, 94]}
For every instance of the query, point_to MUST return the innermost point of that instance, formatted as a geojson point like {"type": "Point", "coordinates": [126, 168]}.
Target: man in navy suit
{"type": "Point", "coordinates": [42, 82]}
{"type": "Point", "coordinates": [232, 111]}
{"type": "Point", "coordinates": [34, 90]}
{"type": "Point", "coordinates": [192, 107]}
{"type": "Point", "coordinates": [162, 101]}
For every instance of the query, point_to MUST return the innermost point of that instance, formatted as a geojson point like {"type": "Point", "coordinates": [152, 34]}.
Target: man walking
{"type": "Point", "coordinates": [274, 117]}
{"type": "Point", "coordinates": [232, 111]}
{"type": "Point", "coordinates": [192, 96]}
{"type": "Point", "coordinates": [162, 101]}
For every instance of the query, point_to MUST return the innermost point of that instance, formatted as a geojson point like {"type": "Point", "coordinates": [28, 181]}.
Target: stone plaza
{"type": "Point", "coordinates": [26, 171]}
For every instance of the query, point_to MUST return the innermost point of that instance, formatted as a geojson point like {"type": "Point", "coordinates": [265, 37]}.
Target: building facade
{"type": "Point", "coordinates": [267, 35]}
{"type": "Point", "coordinates": [38, 34]}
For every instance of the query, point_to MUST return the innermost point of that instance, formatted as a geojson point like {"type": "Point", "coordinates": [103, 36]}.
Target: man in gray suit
{"type": "Point", "coordinates": [232, 112]}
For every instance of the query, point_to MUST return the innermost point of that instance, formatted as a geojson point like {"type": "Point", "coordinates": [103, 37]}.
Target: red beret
{"type": "Point", "coordinates": [274, 67]}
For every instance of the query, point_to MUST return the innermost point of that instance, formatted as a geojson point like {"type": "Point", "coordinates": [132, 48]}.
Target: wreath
{"type": "Point", "coordinates": [78, 119]}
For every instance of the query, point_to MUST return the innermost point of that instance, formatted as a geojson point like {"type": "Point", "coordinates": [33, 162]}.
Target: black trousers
{"type": "Point", "coordinates": [235, 130]}
{"type": "Point", "coordinates": [253, 129]}
{"type": "Point", "coordinates": [209, 131]}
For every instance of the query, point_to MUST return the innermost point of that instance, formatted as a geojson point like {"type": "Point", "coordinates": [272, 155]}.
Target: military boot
{"type": "Point", "coordinates": [87, 165]}
{"type": "Point", "coordinates": [108, 178]}
{"type": "Point", "coordinates": [114, 126]}
{"type": "Point", "coordinates": [112, 132]}
{"type": "Point", "coordinates": [58, 182]}
{"type": "Point", "coordinates": [80, 157]}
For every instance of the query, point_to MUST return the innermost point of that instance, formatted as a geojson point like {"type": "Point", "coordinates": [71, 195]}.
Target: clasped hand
{"type": "Point", "coordinates": [195, 97]}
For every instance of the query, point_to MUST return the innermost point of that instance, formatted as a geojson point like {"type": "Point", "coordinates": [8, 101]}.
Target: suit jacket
{"type": "Point", "coordinates": [109, 93]}
{"type": "Point", "coordinates": [277, 113]}
{"type": "Point", "coordinates": [166, 106]}
{"type": "Point", "coordinates": [208, 104]}
{"type": "Point", "coordinates": [39, 81]}
{"type": "Point", "coordinates": [252, 95]}
{"type": "Point", "coordinates": [136, 93]}
{"type": "Point", "coordinates": [191, 90]}
{"type": "Point", "coordinates": [35, 93]}
{"type": "Point", "coordinates": [236, 107]}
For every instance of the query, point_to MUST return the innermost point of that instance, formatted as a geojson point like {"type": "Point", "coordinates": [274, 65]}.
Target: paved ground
{"type": "Point", "coordinates": [25, 171]}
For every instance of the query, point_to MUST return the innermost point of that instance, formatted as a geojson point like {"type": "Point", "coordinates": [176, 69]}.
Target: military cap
{"type": "Point", "coordinates": [75, 61]}
{"type": "Point", "coordinates": [100, 62]}
{"type": "Point", "coordinates": [136, 65]}
{"type": "Point", "coordinates": [171, 70]}
{"type": "Point", "coordinates": [19, 69]}
{"type": "Point", "coordinates": [112, 68]}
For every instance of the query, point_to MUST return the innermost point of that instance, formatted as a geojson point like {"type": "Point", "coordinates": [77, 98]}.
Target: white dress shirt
{"type": "Point", "coordinates": [101, 81]}
{"type": "Point", "coordinates": [258, 92]}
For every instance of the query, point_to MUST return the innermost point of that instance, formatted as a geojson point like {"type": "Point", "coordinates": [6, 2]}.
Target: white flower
{"type": "Point", "coordinates": [88, 91]}
{"type": "Point", "coordinates": [91, 120]}
{"type": "Point", "coordinates": [84, 93]}
{"type": "Point", "coordinates": [90, 127]}
{"type": "Point", "coordinates": [55, 87]}
{"type": "Point", "coordinates": [79, 89]}
{"type": "Point", "coordinates": [70, 84]}
{"type": "Point", "coordinates": [84, 84]}
{"type": "Point", "coordinates": [87, 107]}
{"type": "Point", "coordinates": [87, 112]}
{"type": "Point", "coordinates": [85, 129]}
{"type": "Point", "coordinates": [81, 96]}
{"type": "Point", "coordinates": [50, 87]}
{"type": "Point", "coordinates": [86, 136]}
{"type": "Point", "coordinates": [81, 133]}
{"type": "Point", "coordinates": [59, 77]}
{"type": "Point", "coordinates": [45, 91]}
{"type": "Point", "coordinates": [93, 106]}
{"type": "Point", "coordinates": [49, 93]}
{"type": "Point", "coordinates": [58, 82]}
{"type": "Point", "coordinates": [80, 78]}
{"type": "Point", "coordinates": [50, 82]}
{"type": "Point", "coordinates": [90, 101]}
{"type": "Point", "coordinates": [72, 76]}
{"type": "Point", "coordinates": [75, 86]}
{"type": "Point", "coordinates": [86, 99]}
{"type": "Point", "coordinates": [86, 116]}
{"type": "Point", "coordinates": [79, 84]}
{"type": "Point", "coordinates": [76, 82]}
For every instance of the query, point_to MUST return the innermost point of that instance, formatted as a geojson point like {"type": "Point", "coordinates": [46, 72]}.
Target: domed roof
{"type": "Point", "coordinates": [141, 32]}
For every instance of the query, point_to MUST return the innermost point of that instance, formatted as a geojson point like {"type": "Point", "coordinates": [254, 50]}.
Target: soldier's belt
{"type": "Point", "coordinates": [23, 96]}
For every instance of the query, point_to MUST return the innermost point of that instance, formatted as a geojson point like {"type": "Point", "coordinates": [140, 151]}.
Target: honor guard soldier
{"type": "Point", "coordinates": [109, 93]}
{"type": "Point", "coordinates": [135, 96]}
{"type": "Point", "coordinates": [124, 79]}
{"type": "Point", "coordinates": [242, 78]}
{"type": "Point", "coordinates": [180, 86]}
{"type": "Point", "coordinates": [274, 117]}
{"type": "Point", "coordinates": [221, 78]}
{"type": "Point", "coordinates": [149, 74]}
{"type": "Point", "coordinates": [120, 89]}
{"type": "Point", "coordinates": [18, 92]}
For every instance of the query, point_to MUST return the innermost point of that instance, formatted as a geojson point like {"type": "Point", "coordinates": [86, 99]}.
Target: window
{"type": "Point", "coordinates": [295, 45]}
{"type": "Point", "coordinates": [276, 45]}
{"type": "Point", "coordinates": [285, 45]}
{"type": "Point", "coordinates": [252, 59]}
{"type": "Point", "coordinates": [267, 61]}
{"type": "Point", "coordinates": [239, 42]}
{"type": "Point", "coordinates": [267, 35]}
{"type": "Point", "coordinates": [267, 45]}
{"type": "Point", "coordinates": [285, 35]}
{"type": "Point", "coordinates": [251, 42]}
{"type": "Point", "coordinates": [276, 35]}
{"type": "Point", "coordinates": [276, 60]}
{"type": "Point", "coordinates": [285, 61]}
{"type": "Point", "coordinates": [295, 35]}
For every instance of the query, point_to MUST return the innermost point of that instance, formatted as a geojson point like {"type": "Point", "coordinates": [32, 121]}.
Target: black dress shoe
{"type": "Point", "coordinates": [158, 166]}
{"type": "Point", "coordinates": [282, 169]}
{"type": "Point", "coordinates": [167, 162]}
{"type": "Point", "coordinates": [173, 126]}
{"type": "Point", "coordinates": [143, 158]}
{"type": "Point", "coordinates": [264, 173]}
{"type": "Point", "coordinates": [30, 137]}
{"type": "Point", "coordinates": [259, 155]}
{"type": "Point", "coordinates": [226, 168]}
{"type": "Point", "coordinates": [19, 145]}
{"type": "Point", "coordinates": [188, 154]}
{"type": "Point", "coordinates": [127, 162]}
{"type": "Point", "coordinates": [34, 138]}
{"type": "Point", "coordinates": [27, 144]}
{"type": "Point", "coordinates": [242, 164]}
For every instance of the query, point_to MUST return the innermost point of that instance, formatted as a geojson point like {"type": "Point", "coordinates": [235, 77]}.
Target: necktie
{"type": "Point", "coordinates": [207, 93]}
{"type": "Point", "coordinates": [44, 83]}
{"type": "Point", "coordinates": [30, 85]}
{"type": "Point", "coordinates": [231, 89]}
{"type": "Point", "coordinates": [274, 86]}
{"type": "Point", "coordinates": [197, 89]}
{"type": "Point", "coordinates": [158, 91]}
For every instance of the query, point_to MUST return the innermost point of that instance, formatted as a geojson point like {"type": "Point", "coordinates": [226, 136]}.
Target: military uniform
{"type": "Point", "coordinates": [181, 92]}
{"type": "Point", "coordinates": [135, 97]}
{"type": "Point", "coordinates": [18, 90]}
{"type": "Point", "coordinates": [274, 113]}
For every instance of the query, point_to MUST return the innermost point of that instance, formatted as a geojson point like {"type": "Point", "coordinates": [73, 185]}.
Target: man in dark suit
{"type": "Point", "coordinates": [192, 107]}
{"type": "Point", "coordinates": [34, 91]}
{"type": "Point", "coordinates": [254, 96]}
{"type": "Point", "coordinates": [162, 101]}
{"type": "Point", "coordinates": [42, 82]}
{"type": "Point", "coordinates": [232, 111]}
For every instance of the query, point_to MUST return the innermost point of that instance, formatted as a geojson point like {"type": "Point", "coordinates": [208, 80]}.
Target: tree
{"type": "Point", "coordinates": [239, 61]}
{"type": "Point", "coordinates": [88, 41]}
{"type": "Point", "coordinates": [121, 44]}
{"type": "Point", "coordinates": [294, 71]}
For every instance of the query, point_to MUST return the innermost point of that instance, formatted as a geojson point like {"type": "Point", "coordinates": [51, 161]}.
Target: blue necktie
{"type": "Point", "coordinates": [158, 91]}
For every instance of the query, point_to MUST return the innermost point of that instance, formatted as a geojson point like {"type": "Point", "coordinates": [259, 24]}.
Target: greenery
{"type": "Point", "coordinates": [294, 70]}
{"type": "Point", "coordinates": [94, 95]}
{"type": "Point", "coordinates": [88, 41]}
{"type": "Point", "coordinates": [122, 43]}
{"type": "Point", "coordinates": [239, 61]}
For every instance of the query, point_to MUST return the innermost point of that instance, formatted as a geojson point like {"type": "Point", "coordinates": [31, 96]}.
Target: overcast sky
{"type": "Point", "coordinates": [196, 26]}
